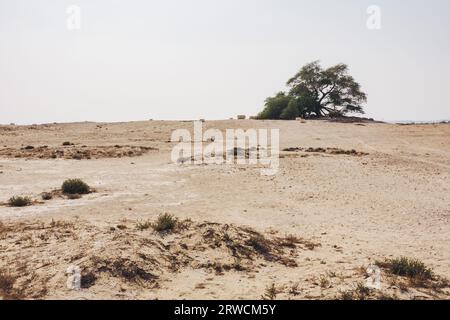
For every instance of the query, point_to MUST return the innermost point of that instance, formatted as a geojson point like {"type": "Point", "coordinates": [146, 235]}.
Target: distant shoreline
{"type": "Point", "coordinates": [419, 122]}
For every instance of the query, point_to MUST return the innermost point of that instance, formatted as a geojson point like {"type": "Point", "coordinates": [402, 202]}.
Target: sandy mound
{"type": "Point", "coordinates": [132, 254]}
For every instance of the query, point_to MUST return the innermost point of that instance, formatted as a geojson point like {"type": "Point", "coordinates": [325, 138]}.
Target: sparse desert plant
{"type": "Point", "coordinates": [332, 274]}
{"type": "Point", "coordinates": [259, 243]}
{"type": "Point", "coordinates": [47, 196]}
{"type": "Point", "coordinates": [289, 241]}
{"type": "Point", "coordinates": [407, 267]}
{"type": "Point", "coordinates": [165, 222]}
{"type": "Point", "coordinates": [88, 280]}
{"type": "Point", "coordinates": [361, 292]}
{"type": "Point", "coordinates": [6, 281]}
{"type": "Point", "coordinates": [270, 293]}
{"type": "Point", "coordinates": [143, 225]}
{"type": "Point", "coordinates": [226, 237]}
{"type": "Point", "coordinates": [386, 297]}
{"type": "Point", "coordinates": [324, 282]}
{"type": "Point", "coordinates": [19, 201]}
{"type": "Point", "coordinates": [346, 295]}
{"type": "Point", "coordinates": [7, 290]}
{"type": "Point", "coordinates": [61, 224]}
{"type": "Point", "coordinates": [294, 290]}
{"type": "Point", "coordinates": [237, 264]}
{"type": "Point", "coordinates": [75, 186]}
{"type": "Point", "coordinates": [67, 143]}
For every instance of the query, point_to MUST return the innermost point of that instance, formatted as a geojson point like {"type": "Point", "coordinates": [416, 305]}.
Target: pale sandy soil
{"type": "Point", "coordinates": [392, 202]}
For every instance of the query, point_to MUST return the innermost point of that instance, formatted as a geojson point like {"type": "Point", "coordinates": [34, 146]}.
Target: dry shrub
{"type": "Point", "coordinates": [19, 201]}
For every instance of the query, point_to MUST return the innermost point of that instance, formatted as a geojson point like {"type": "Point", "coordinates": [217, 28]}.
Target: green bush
{"type": "Point", "coordinates": [165, 222]}
{"type": "Point", "coordinates": [274, 107]}
{"type": "Point", "coordinates": [75, 186]}
{"type": "Point", "coordinates": [291, 111]}
{"type": "Point", "coordinates": [19, 201]}
{"type": "Point", "coordinates": [411, 268]}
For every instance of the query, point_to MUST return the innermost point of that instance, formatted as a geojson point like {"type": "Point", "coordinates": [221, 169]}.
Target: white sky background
{"type": "Point", "coordinates": [214, 59]}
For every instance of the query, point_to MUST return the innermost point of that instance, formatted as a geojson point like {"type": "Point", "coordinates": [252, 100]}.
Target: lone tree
{"type": "Point", "coordinates": [315, 92]}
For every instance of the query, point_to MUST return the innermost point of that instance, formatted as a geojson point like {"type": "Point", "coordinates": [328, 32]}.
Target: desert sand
{"type": "Point", "coordinates": [320, 222]}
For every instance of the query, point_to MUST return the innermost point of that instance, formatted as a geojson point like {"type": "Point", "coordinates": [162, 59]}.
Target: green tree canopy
{"type": "Point", "coordinates": [318, 92]}
{"type": "Point", "coordinates": [275, 106]}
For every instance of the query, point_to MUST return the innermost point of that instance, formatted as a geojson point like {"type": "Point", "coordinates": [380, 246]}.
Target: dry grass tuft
{"type": "Point", "coordinates": [7, 290]}
{"type": "Point", "coordinates": [165, 223]}
{"type": "Point", "coordinates": [270, 293]}
{"type": "Point", "coordinates": [19, 201]}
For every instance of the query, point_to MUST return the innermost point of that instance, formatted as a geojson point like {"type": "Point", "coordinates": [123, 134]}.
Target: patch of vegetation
{"type": "Point", "coordinates": [289, 241]}
{"type": "Point", "coordinates": [47, 196]}
{"type": "Point", "coordinates": [407, 267]}
{"type": "Point", "coordinates": [165, 222]}
{"type": "Point", "coordinates": [324, 282]}
{"type": "Point", "coordinates": [294, 289]}
{"type": "Point", "coordinates": [361, 292]}
{"type": "Point", "coordinates": [19, 201]}
{"type": "Point", "coordinates": [351, 152]}
{"type": "Point", "coordinates": [317, 92]}
{"type": "Point", "coordinates": [386, 297]}
{"type": "Point", "coordinates": [270, 293]}
{"type": "Point", "coordinates": [67, 143]}
{"type": "Point", "coordinates": [62, 224]}
{"type": "Point", "coordinates": [333, 151]}
{"type": "Point", "coordinates": [123, 268]}
{"type": "Point", "coordinates": [7, 290]}
{"type": "Point", "coordinates": [292, 241]}
{"type": "Point", "coordinates": [259, 243]}
{"type": "Point", "coordinates": [88, 280]}
{"type": "Point", "coordinates": [237, 265]}
{"type": "Point", "coordinates": [75, 186]}
{"type": "Point", "coordinates": [143, 225]}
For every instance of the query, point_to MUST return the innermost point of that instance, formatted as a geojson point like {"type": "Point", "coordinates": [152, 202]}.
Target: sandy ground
{"type": "Point", "coordinates": [324, 218]}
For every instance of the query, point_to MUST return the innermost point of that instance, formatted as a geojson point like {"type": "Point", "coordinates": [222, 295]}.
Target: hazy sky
{"type": "Point", "coordinates": [190, 59]}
